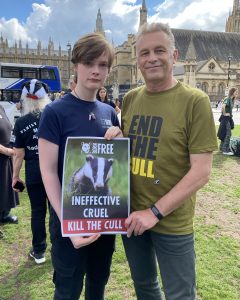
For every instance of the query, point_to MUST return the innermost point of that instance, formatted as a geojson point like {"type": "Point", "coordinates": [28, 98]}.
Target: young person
{"type": "Point", "coordinates": [34, 98]}
{"type": "Point", "coordinates": [172, 135]}
{"type": "Point", "coordinates": [226, 122]}
{"type": "Point", "coordinates": [102, 96]}
{"type": "Point", "coordinates": [78, 114]}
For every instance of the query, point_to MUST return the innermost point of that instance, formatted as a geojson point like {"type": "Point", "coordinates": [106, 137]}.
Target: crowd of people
{"type": "Point", "coordinates": [180, 138]}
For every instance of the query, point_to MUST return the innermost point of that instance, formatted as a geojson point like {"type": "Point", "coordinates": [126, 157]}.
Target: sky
{"type": "Point", "coordinates": [66, 21]}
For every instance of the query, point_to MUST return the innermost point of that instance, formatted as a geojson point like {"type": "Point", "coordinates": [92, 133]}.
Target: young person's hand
{"type": "Point", "coordinates": [113, 132]}
{"type": "Point", "coordinates": [81, 241]}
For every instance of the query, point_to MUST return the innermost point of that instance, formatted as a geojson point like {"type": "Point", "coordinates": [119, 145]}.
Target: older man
{"type": "Point", "coordinates": [172, 134]}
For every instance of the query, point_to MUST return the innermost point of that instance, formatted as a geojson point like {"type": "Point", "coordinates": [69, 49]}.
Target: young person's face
{"type": "Point", "coordinates": [92, 75]}
{"type": "Point", "coordinates": [155, 57]}
{"type": "Point", "coordinates": [102, 94]}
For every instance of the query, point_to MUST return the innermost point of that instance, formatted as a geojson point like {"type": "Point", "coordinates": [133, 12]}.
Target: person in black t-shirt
{"type": "Point", "coordinates": [78, 114]}
{"type": "Point", "coordinates": [34, 99]}
{"type": "Point", "coordinates": [102, 96]}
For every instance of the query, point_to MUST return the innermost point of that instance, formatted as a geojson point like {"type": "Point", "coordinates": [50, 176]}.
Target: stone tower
{"type": "Point", "coordinates": [99, 23]}
{"type": "Point", "coordinates": [143, 14]}
{"type": "Point", "coordinates": [233, 21]}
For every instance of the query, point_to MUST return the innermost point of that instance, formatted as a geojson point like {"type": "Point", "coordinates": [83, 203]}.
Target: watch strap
{"type": "Point", "coordinates": [156, 212]}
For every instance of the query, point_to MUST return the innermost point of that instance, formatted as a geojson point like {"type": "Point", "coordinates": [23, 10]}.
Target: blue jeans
{"type": "Point", "coordinates": [176, 259]}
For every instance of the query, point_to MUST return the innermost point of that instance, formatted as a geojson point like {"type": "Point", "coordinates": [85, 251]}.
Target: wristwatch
{"type": "Point", "coordinates": [156, 212]}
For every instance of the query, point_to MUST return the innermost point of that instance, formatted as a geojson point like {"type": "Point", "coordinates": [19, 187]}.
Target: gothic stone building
{"type": "Point", "coordinates": [37, 56]}
{"type": "Point", "coordinates": [207, 60]}
{"type": "Point", "coordinates": [43, 55]}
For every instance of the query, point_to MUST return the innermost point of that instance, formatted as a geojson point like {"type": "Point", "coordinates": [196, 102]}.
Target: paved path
{"type": "Point", "coordinates": [217, 113]}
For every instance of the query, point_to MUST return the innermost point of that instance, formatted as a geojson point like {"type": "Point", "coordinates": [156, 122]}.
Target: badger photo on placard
{"type": "Point", "coordinates": [95, 190]}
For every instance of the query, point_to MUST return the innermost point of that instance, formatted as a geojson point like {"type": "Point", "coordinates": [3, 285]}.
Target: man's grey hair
{"type": "Point", "coordinates": [157, 27]}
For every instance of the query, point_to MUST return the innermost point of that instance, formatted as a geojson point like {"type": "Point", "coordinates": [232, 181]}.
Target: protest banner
{"type": "Point", "coordinates": [95, 189]}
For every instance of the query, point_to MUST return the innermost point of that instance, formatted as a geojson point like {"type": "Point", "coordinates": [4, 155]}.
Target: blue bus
{"type": "Point", "coordinates": [14, 75]}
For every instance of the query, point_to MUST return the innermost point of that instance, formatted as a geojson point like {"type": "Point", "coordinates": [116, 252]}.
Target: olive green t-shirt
{"type": "Point", "coordinates": [164, 128]}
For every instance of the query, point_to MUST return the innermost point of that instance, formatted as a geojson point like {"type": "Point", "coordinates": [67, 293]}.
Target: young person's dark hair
{"type": "Point", "coordinates": [98, 96]}
{"type": "Point", "coordinates": [103, 90]}
{"type": "Point", "coordinates": [231, 92]}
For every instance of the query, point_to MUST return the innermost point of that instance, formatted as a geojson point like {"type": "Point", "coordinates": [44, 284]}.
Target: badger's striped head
{"type": "Point", "coordinates": [98, 170]}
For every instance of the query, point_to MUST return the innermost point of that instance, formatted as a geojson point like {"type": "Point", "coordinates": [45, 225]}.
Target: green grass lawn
{"type": "Point", "coordinates": [217, 226]}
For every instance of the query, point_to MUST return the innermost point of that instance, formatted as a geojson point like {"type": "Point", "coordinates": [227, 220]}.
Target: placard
{"type": "Point", "coordinates": [95, 188]}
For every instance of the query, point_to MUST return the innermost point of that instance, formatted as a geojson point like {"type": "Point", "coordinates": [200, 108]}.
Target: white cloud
{"type": "Point", "coordinates": [200, 14]}
{"type": "Point", "coordinates": [67, 20]}
{"type": "Point", "coordinates": [13, 30]}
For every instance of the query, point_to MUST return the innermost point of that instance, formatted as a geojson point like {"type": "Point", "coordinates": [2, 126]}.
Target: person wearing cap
{"type": "Point", "coordinates": [34, 99]}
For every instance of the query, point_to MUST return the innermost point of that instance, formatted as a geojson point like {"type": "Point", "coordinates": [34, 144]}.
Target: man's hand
{"type": "Point", "coordinates": [140, 221]}
{"type": "Point", "coordinates": [113, 132]}
{"type": "Point", "coordinates": [80, 241]}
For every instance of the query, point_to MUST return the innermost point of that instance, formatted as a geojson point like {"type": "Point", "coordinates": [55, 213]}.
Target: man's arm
{"type": "Point", "coordinates": [197, 177]}
{"type": "Point", "coordinates": [48, 158]}
{"type": "Point", "coordinates": [17, 164]}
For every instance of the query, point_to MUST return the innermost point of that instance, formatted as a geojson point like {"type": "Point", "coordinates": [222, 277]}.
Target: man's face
{"type": "Point", "coordinates": [155, 57]}
{"type": "Point", "coordinates": [91, 75]}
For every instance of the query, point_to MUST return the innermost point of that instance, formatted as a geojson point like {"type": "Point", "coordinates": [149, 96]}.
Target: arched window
{"type": "Point", "coordinates": [221, 89]}
{"type": "Point", "coordinates": [205, 87]}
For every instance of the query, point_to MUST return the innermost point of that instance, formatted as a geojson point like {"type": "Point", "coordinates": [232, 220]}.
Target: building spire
{"type": "Point", "coordinates": [143, 13]}
{"type": "Point", "coordinates": [191, 52]}
{"type": "Point", "coordinates": [144, 5]}
{"type": "Point", "coordinates": [99, 23]}
{"type": "Point", "coordinates": [190, 64]}
{"type": "Point", "coordinates": [233, 21]}
{"type": "Point", "coordinates": [236, 6]}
